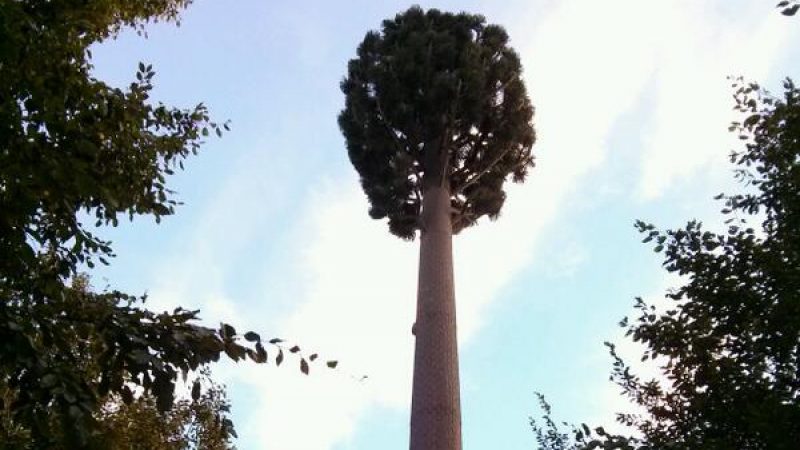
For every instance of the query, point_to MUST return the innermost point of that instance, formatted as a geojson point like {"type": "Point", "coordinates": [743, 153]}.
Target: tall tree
{"type": "Point", "coordinates": [74, 149]}
{"type": "Point", "coordinates": [436, 119]}
{"type": "Point", "coordinates": [728, 344]}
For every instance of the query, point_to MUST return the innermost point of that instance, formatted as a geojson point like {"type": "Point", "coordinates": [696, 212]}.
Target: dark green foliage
{"type": "Point", "coordinates": [64, 360]}
{"type": "Point", "coordinates": [436, 98]}
{"type": "Point", "coordinates": [733, 338]}
{"type": "Point", "coordinates": [201, 423]}
{"type": "Point", "coordinates": [70, 143]}
{"type": "Point", "coordinates": [62, 357]}
{"type": "Point", "coordinates": [789, 7]}
{"type": "Point", "coordinates": [550, 436]}
{"type": "Point", "coordinates": [73, 148]}
{"type": "Point", "coordinates": [729, 343]}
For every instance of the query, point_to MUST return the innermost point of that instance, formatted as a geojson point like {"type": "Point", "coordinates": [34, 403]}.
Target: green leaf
{"type": "Point", "coordinates": [252, 337]}
{"type": "Point", "coordinates": [127, 395]}
{"type": "Point", "coordinates": [74, 412]}
{"type": "Point", "coordinates": [85, 152]}
{"type": "Point", "coordinates": [304, 366]}
{"type": "Point", "coordinates": [196, 390]}
{"type": "Point", "coordinates": [227, 331]}
{"type": "Point", "coordinates": [261, 353]}
{"type": "Point", "coordinates": [752, 120]}
{"type": "Point", "coordinates": [48, 380]}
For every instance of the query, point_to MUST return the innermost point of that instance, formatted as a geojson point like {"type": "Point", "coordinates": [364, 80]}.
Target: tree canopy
{"type": "Point", "coordinates": [728, 345]}
{"type": "Point", "coordinates": [201, 422]}
{"type": "Point", "coordinates": [436, 97]}
{"type": "Point", "coordinates": [72, 150]}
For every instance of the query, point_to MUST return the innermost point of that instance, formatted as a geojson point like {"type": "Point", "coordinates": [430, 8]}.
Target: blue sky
{"type": "Point", "coordinates": [632, 111]}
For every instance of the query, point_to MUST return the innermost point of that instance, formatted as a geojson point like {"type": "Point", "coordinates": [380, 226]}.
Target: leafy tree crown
{"type": "Point", "coordinates": [76, 151]}
{"type": "Point", "coordinates": [436, 98]}
{"type": "Point", "coordinates": [728, 342]}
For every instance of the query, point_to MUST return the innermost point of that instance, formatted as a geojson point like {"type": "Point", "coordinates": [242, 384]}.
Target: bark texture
{"type": "Point", "coordinates": [435, 402]}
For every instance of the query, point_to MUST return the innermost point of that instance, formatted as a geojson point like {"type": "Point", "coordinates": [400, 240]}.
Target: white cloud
{"type": "Point", "coordinates": [696, 52]}
{"type": "Point", "coordinates": [357, 306]}
{"type": "Point", "coordinates": [567, 260]}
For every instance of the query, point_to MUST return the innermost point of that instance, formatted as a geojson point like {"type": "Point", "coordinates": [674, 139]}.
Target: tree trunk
{"type": "Point", "coordinates": [435, 399]}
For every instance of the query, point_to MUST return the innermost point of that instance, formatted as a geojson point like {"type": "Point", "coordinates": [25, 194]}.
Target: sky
{"type": "Point", "coordinates": [632, 107]}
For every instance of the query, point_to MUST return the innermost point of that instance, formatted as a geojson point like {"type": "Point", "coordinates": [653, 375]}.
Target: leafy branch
{"type": "Point", "coordinates": [789, 7]}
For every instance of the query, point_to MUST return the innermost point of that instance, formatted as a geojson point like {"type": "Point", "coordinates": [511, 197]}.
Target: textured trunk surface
{"type": "Point", "coordinates": [435, 400]}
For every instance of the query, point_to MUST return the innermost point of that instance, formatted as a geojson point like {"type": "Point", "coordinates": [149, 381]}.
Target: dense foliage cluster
{"type": "Point", "coordinates": [196, 424]}
{"type": "Point", "coordinates": [438, 98]}
{"type": "Point", "coordinates": [74, 149]}
{"type": "Point", "coordinates": [199, 423]}
{"type": "Point", "coordinates": [729, 343]}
